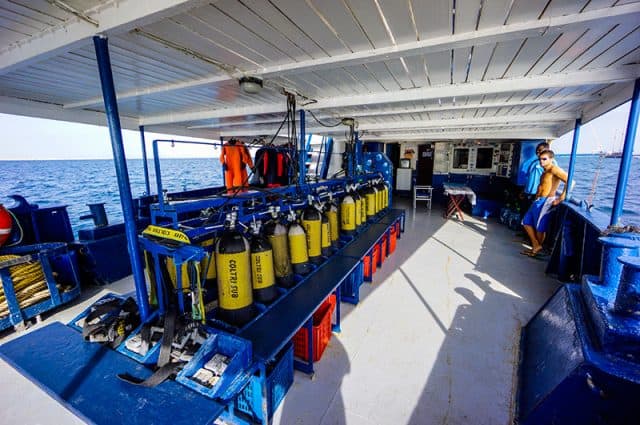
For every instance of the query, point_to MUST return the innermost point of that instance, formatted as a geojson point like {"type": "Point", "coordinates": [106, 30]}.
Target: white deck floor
{"type": "Point", "coordinates": [434, 339]}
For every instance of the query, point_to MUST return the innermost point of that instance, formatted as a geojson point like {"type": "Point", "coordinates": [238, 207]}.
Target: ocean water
{"type": "Point", "coordinates": [603, 172]}
{"type": "Point", "coordinates": [78, 183]}
{"type": "Point", "coordinates": [81, 182]}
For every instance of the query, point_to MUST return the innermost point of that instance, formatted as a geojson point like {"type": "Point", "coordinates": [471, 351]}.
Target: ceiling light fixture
{"type": "Point", "coordinates": [251, 85]}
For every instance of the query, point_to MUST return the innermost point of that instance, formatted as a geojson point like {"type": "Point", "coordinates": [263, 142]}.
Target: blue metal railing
{"type": "Point", "coordinates": [627, 155]}
{"type": "Point", "coordinates": [156, 163]}
{"type": "Point", "coordinates": [572, 159]}
{"type": "Point", "coordinates": [145, 166]}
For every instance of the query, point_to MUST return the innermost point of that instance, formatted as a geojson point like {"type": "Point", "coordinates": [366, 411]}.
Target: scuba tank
{"type": "Point", "coordinates": [233, 265]}
{"type": "Point", "coordinates": [371, 196]}
{"type": "Point", "coordinates": [325, 239]}
{"type": "Point", "coordinates": [382, 191]}
{"type": "Point", "coordinates": [312, 224]}
{"type": "Point", "coordinates": [378, 194]}
{"type": "Point", "coordinates": [385, 195]}
{"type": "Point", "coordinates": [277, 235]}
{"type": "Point", "coordinates": [262, 273]}
{"type": "Point", "coordinates": [348, 215]}
{"type": "Point", "coordinates": [358, 210]}
{"type": "Point", "coordinates": [298, 249]}
{"type": "Point", "coordinates": [363, 207]}
{"type": "Point", "coordinates": [332, 214]}
{"type": "Point", "coordinates": [209, 264]}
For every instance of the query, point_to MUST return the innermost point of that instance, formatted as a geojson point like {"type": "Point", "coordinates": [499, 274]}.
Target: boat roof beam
{"type": "Point", "coordinates": [557, 80]}
{"type": "Point", "coordinates": [501, 33]}
{"type": "Point", "coordinates": [112, 17]}
{"type": "Point", "coordinates": [417, 110]}
{"type": "Point", "coordinates": [509, 120]}
{"type": "Point", "coordinates": [510, 134]}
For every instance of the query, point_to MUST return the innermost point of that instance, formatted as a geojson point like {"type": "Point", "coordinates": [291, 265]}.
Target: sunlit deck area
{"type": "Point", "coordinates": [433, 340]}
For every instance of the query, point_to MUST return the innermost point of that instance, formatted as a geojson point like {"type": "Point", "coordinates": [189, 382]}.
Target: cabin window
{"type": "Point", "coordinates": [460, 158]}
{"type": "Point", "coordinates": [484, 158]}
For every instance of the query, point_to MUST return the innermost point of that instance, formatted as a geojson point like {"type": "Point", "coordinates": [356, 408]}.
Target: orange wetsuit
{"type": "Point", "coordinates": [235, 157]}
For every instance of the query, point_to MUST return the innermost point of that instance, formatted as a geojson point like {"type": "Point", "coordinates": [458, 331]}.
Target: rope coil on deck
{"type": "Point", "coordinates": [29, 284]}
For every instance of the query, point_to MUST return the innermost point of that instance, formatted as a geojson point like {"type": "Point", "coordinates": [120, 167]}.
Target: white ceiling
{"type": "Point", "coordinates": [407, 70]}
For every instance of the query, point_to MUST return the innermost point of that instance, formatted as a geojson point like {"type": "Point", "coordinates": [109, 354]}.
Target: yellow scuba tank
{"type": "Point", "coordinates": [151, 274]}
{"type": "Point", "coordinates": [378, 190]}
{"type": "Point", "coordinates": [372, 201]}
{"type": "Point", "coordinates": [298, 249]}
{"type": "Point", "coordinates": [262, 274]}
{"type": "Point", "coordinates": [385, 195]}
{"type": "Point", "coordinates": [277, 235]}
{"type": "Point", "coordinates": [358, 210]}
{"type": "Point", "coordinates": [325, 238]}
{"type": "Point", "coordinates": [363, 207]}
{"type": "Point", "coordinates": [209, 264]}
{"type": "Point", "coordinates": [233, 264]}
{"type": "Point", "coordinates": [381, 192]}
{"type": "Point", "coordinates": [312, 224]}
{"type": "Point", "coordinates": [332, 215]}
{"type": "Point", "coordinates": [348, 215]}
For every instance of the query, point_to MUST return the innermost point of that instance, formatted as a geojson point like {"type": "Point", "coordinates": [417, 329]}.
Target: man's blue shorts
{"type": "Point", "coordinates": [538, 214]}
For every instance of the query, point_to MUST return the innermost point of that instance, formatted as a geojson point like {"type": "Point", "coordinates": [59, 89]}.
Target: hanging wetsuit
{"type": "Point", "coordinates": [273, 166]}
{"type": "Point", "coordinates": [234, 159]}
{"type": "Point", "coordinates": [246, 160]}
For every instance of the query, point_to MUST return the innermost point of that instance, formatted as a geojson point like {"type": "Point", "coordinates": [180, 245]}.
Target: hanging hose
{"type": "Point", "coordinates": [29, 284]}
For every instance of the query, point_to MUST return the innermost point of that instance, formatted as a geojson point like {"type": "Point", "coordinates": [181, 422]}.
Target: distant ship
{"type": "Point", "coordinates": [616, 154]}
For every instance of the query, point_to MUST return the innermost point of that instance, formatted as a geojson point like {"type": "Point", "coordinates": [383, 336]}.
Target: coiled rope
{"type": "Point", "coordinates": [29, 284]}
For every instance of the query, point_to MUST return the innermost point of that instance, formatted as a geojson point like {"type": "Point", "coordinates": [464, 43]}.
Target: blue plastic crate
{"type": "Point", "coordinates": [236, 374]}
{"type": "Point", "coordinates": [59, 265]}
{"type": "Point", "coordinates": [249, 401]}
{"type": "Point", "coordinates": [151, 357]}
{"type": "Point", "coordinates": [73, 323]}
{"type": "Point", "coordinates": [350, 287]}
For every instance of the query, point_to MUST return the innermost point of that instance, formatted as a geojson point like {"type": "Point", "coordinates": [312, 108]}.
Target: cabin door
{"type": "Point", "coordinates": [424, 165]}
{"type": "Point", "coordinates": [393, 153]}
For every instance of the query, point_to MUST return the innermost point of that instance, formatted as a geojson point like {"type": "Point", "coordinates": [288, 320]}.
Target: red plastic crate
{"type": "Point", "coordinates": [383, 249]}
{"type": "Point", "coordinates": [392, 239]}
{"type": "Point", "coordinates": [371, 260]}
{"type": "Point", "coordinates": [321, 332]}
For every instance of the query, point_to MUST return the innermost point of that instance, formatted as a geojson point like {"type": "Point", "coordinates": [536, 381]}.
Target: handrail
{"type": "Point", "coordinates": [156, 162]}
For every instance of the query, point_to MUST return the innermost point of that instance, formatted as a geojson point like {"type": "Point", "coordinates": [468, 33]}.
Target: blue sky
{"type": "Point", "coordinates": [34, 138]}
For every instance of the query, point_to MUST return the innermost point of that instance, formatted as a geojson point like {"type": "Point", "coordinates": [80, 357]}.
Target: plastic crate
{"type": "Point", "coordinates": [240, 354]}
{"type": "Point", "coordinates": [383, 249]}
{"type": "Point", "coordinates": [350, 287]}
{"type": "Point", "coordinates": [393, 237]}
{"type": "Point", "coordinates": [321, 333]}
{"type": "Point", "coordinates": [279, 380]}
{"type": "Point", "coordinates": [371, 262]}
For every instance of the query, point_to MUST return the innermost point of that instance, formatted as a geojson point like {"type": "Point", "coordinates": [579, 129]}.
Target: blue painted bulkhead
{"type": "Point", "coordinates": [580, 354]}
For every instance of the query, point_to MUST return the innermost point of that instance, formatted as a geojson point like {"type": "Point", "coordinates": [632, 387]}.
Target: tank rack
{"type": "Point", "coordinates": [228, 345]}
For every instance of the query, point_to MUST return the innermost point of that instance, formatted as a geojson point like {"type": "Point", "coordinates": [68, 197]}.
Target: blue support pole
{"type": "Point", "coordinates": [358, 157]}
{"type": "Point", "coordinates": [224, 181]}
{"type": "Point", "coordinates": [302, 161]}
{"type": "Point", "coordinates": [113, 119]}
{"type": "Point", "coordinates": [145, 166]}
{"type": "Point", "coordinates": [156, 165]}
{"type": "Point", "coordinates": [574, 152]}
{"type": "Point", "coordinates": [627, 155]}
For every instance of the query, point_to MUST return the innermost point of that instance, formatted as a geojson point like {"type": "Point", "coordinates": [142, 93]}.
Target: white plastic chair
{"type": "Point", "coordinates": [422, 193]}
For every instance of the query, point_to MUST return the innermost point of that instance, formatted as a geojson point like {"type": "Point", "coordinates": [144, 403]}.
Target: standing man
{"type": "Point", "coordinates": [534, 170]}
{"type": "Point", "coordinates": [536, 220]}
